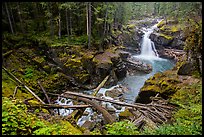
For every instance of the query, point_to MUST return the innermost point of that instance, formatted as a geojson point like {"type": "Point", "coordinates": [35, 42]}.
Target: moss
{"type": "Point", "coordinates": [125, 113]}
{"type": "Point", "coordinates": [161, 24]}
{"type": "Point", "coordinates": [39, 59]}
{"type": "Point", "coordinates": [102, 59]}
{"type": "Point", "coordinates": [152, 88]}
{"type": "Point", "coordinates": [166, 36]}
{"type": "Point", "coordinates": [131, 26]}
{"type": "Point", "coordinates": [174, 29]}
{"type": "Point", "coordinates": [82, 77]}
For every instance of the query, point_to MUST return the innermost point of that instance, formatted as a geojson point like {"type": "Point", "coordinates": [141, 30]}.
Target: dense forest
{"type": "Point", "coordinates": [75, 50]}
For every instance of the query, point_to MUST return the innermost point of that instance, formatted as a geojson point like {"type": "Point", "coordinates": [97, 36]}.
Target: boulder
{"type": "Point", "coordinates": [177, 44]}
{"type": "Point", "coordinates": [186, 69]}
{"type": "Point", "coordinates": [106, 62]}
{"type": "Point", "coordinates": [134, 66]}
{"type": "Point", "coordinates": [161, 39]}
{"type": "Point", "coordinates": [117, 92]}
{"type": "Point", "coordinates": [166, 84]}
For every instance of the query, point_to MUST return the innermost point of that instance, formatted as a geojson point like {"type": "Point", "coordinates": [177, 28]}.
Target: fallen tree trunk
{"type": "Point", "coordinates": [61, 106]}
{"type": "Point", "coordinates": [21, 83]}
{"type": "Point", "coordinates": [44, 92]}
{"type": "Point", "coordinates": [108, 117]}
{"type": "Point", "coordinates": [100, 85]}
{"type": "Point", "coordinates": [136, 105]}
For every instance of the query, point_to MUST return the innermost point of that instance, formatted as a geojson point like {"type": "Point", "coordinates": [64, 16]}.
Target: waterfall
{"type": "Point", "coordinates": [148, 50]}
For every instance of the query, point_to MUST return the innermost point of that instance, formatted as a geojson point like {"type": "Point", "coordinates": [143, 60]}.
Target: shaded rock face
{"type": "Point", "coordinates": [168, 36]}
{"type": "Point", "coordinates": [107, 63]}
{"type": "Point", "coordinates": [186, 69]}
{"type": "Point", "coordinates": [160, 40]}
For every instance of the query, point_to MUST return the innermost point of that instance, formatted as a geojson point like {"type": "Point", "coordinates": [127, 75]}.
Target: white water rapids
{"type": "Point", "coordinates": [133, 83]}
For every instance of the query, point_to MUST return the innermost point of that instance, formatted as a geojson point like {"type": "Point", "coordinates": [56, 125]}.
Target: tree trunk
{"type": "Point", "coordinates": [9, 18]}
{"type": "Point", "coordinates": [59, 32]}
{"type": "Point", "coordinates": [87, 19]}
{"type": "Point", "coordinates": [105, 23]}
{"type": "Point", "coordinates": [70, 22]}
{"type": "Point", "coordinates": [12, 18]}
{"type": "Point", "coordinates": [89, 24]}
{"type": "Point", "coordinates": [67, 22]}
{"type": "Point", "coordinates": [20, 18]}
{"type": "Point", "coordinates": [51, 22]}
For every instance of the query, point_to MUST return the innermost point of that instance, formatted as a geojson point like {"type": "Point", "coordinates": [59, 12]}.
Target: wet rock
{"type": "Point", "coordinates": [113, 79]}
{"type": "Point", "coordinates": [105, 63]}
{"type": "Point", "coordinates": [166, 84]}
{"type": "Point", "coordinates": [159, 39]}
{"type": "Point", "coordinates": [177, 44]}
{"type": "Point", "coordinates": [118, 92]}
{"type": "Point", "coordinates": [124, 55]}
{"type": "Point", "coordinates": [171, 53]}
{"type": "Point", "coordinates": [134, 66]}
{"type": "Point", "coordinates": [186, 69]}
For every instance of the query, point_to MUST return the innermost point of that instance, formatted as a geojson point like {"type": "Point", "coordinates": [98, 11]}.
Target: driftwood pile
{"type": "Point", "coordinates": [152, 114]}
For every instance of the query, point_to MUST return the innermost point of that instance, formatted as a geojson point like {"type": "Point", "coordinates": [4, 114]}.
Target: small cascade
{"type": "Point", "coordinates": [148, 50]}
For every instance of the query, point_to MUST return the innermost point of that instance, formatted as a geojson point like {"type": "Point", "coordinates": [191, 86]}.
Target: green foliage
{"type": "Point", "coordinates": [122, 128]}
{"type": "Point", "coordinates": [28, 73]}
{"type": "Point", "coordinates": [16, 120]}
{"type": "Point", "coordinates": [177, 128]}
{"type": "Point", "coordinates": [187, 120]}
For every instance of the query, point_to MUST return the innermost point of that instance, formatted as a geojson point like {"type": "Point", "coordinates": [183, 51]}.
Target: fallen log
{"type": "Point", "coordinates": [7, 53]}
{"type": "Point", "coordinates": [108, 117]}
{"type": "Point", "coordinates": [15, 91]}
{"type": "Point", "coordinates": [44, 92]}
{"type": "Point", "coordinates": [61, 106]}
{"type": "Point", "coordinates": [153, 112]}
{"type": "Point", "coordinates": [136, 105]}
{"type": "Point", "coordinates": [100, 85]}
{"type": "Point", "coordinates": [21, 83]}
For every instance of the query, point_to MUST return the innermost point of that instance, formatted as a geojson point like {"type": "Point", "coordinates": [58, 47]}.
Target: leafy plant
{"type": "Point", "coordinates": [16, 120]}
{"type": "Point", "coordinates": [122, 128]}
{"type": "Point", "coordinates": [28, 73]}
{"type": "Point", "coordinates": [187, 120]}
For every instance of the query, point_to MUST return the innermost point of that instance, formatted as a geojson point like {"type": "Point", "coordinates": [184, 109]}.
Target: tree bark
{"type": "Point", "coordinates": [59, 32]}
{"type": "Point", "coordinates": [67, 22]}
{"type": "Point", "coordinates": [100, 85]}
{"type": "Point", "coordinates": [20, 18]}
{"type": "Point", "coordinates": [9, 18]}
{"type": "Point", "coordinates": [108, 117]}
{"type": "Point", "coordinates": [51, 22]}
{"type": "Point", "coordinates": [70, 22]}
{"type": "Point", "coordinates": [44, 92]}
{"type": "Point", "coordinates": [89, 24]}
{"type": "Point", "coordinates": [136, 105]}
{"type": "Point", "coordinates": [61, 106]}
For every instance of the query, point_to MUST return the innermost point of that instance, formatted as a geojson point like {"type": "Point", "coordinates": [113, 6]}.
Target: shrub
{"type": "Point", "coordinates": [122, 128]}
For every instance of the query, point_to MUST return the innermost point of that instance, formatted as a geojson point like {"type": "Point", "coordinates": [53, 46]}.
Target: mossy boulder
{"type": "Point", "coordinates": [161, 39]}
{"type": "Point", "coordinates": [166, 84]}
{"type": "Point", "coordinates": [104, 62]}
{"type": "Point", "coordinates": [186, 69]}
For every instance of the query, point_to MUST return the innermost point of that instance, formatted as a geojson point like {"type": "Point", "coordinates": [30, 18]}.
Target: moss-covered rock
{"type": "Point", "coordinates": [166, 84]}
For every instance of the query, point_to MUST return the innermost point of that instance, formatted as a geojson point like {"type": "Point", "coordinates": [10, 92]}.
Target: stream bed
{"type": "Point", "coordinates": [132, 82]}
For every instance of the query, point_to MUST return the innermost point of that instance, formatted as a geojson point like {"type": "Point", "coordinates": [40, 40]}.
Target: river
{"type": "Point", "coordinates": [133, 83]}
